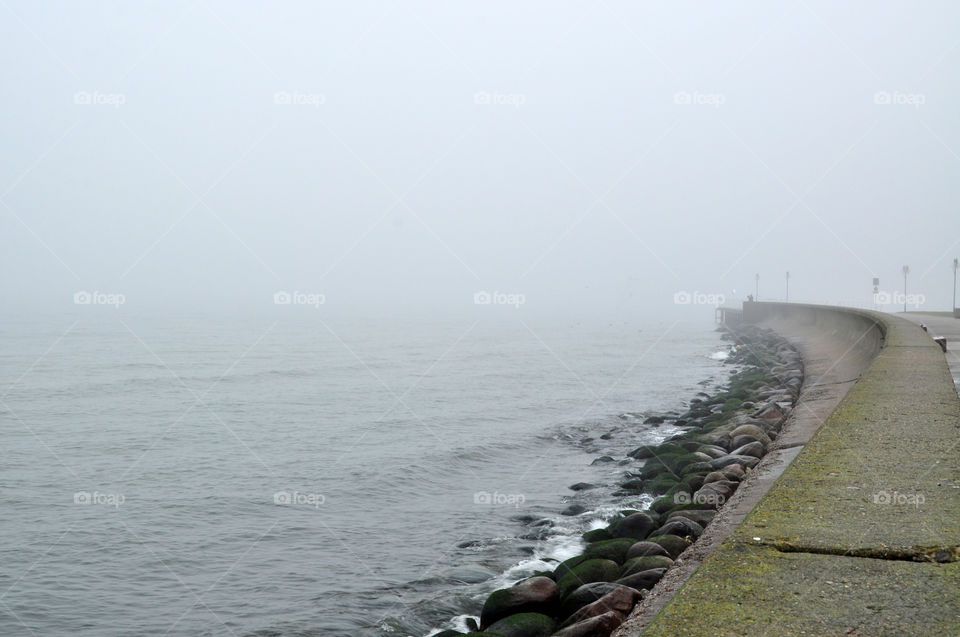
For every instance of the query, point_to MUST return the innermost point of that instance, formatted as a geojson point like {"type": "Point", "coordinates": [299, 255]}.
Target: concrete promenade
{"type": "Point", "coordinates": [861, 532]}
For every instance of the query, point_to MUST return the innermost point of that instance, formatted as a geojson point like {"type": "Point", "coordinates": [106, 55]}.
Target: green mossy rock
{"type": "Point", "coordinates": [587, 572]}
{"type": "Point", "coordinates": [533, 595]}
{"type": "Point", "coordinates": [674, 545]}
{"type": "Point", "coordinates": [645, 563]}
{"type": "Point", "coordinates": [597, 535]}
{"type": "Point", "coordinates": [615, 550]}
{"type": "Point", "coordinates": [523, 625]}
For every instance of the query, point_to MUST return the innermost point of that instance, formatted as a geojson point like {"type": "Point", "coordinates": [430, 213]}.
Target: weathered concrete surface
{"type": "Point", "coordinates": [947, 326]}
{"type": "Point", "coordinates": [828, 376]}
{"type": "Point", "coordinates": [827, 550]}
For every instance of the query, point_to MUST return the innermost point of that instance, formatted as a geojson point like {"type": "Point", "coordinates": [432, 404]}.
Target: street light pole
{"type": "Point", "coordinates": [756, 290]}
{"type": "Point", "coordinates": [956, 264]}
{"type": "Point", "coordinates": [788, 286]}
{"type": "Point", "coordinates": [906, 271]}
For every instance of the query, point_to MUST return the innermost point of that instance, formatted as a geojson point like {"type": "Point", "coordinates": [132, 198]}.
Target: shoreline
{"type": "Point", "coordinates": [691, 475]}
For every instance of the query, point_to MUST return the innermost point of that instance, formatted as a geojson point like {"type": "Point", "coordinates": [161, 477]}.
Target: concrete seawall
{"type": "Point", "coordinates": [860, 534]}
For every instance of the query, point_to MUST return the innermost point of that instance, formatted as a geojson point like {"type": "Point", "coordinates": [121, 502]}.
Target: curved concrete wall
{"type": "Point", "coordinates": [860, 531]}
{"type": "Point", "coordinates": [863, 331]}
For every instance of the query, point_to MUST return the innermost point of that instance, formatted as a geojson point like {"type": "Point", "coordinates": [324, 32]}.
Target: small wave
{"type": "Point", "coordinates": [722, 355]}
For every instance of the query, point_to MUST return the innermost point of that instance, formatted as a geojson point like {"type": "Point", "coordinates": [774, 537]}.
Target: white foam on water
{"type": "Point", "coordinates": [720, 356]}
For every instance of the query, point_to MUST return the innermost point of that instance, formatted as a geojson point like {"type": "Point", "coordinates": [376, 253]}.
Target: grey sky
{"type": "Point", "coordinates": [594, 157]}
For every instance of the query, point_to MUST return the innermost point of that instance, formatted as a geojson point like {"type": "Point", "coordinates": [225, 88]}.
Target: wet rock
{"type": "Point", "coordinates": [673, 544]}
{"type": "Point", "coordinates": [586, 594]}
{"type": "Point", "coordinates": [754, 431]}
{"type": "Point", "coordinates": [574, 509]}
{"type": "Point", "coordinates": [715, 494]}
{"type": "Point", "coordinates": [603, 460]}
{"type": "Point", "coordinates": [755, 449]}
{"type": "Point", "coordinates": [523, 625]}
{"type": "Point", "coordinates": [597, 535]}
{"type": "Point", "coordinates": [644, 548]}
{"type": "Point", "coordinates": [582, 486]}
{"type": "Point", "coordinates": [773, 411]}
{"type": "Point", "coordinates": [703, 517]}
{"type": "Point", "coordinates": [632, 486]}
{"type": "Point", "coordinates": [591, 570]}
{"type": "Point", "coordinates": [645, 563]}
{"type": "Point", "coordinates": [653, 420]}
{"type": "Point", "coordinates": [744, 461]}
{"type": "Point", "coordinates": [599, 626]}
{"type": "Point", "coordinates": [680, 526]}
{"type": "Point", "coordinates": [643, 579]}
{"type": "Point", "coordinates": [620, 600]}
{"type": "Point", "coordinates": [615, 550]}
{"type": "Point", "coordinates": [537, 594]}
{"type": "Point", "coordinates": [637, 525]}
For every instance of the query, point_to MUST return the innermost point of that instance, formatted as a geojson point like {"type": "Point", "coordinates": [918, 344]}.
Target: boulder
{"type": "Point", "coordinates": [635, 485]}
{"type": "Point", "coordinates": [620, 600]}
{"type": "Point", "coordinates": [615, 550]}
{"type": "Point", "coordinates": [599, 626]}
{"type": "Point", "coordinates": [682, 527]}
{"type": "Point", "coordinates": [712, 450]}
{"type": "Point", "coordinates": [637, 525]}
{"type": "Point", "coordinates": [715, 476]}
{"type": "Point", "coordinates": [674, 544]}
{"type": "Point", "coordinates": [586, 594]}
{"type": "Point", "coordinates": [574, 509]}
{"type": "Point", "coordinates": [642, 549]}
{"type": "Point", "coordinates": [534, 595]}
{"type": "Point", "coordinates": [645, 563]}
{"type": "Point", "coordinates": [597, 535]}
{"type": "Point", "coordinates": [523, 625]}
{"type": "Point", "coordinates": [744, 461]}
{"type": "Point", "coordinates": [755, 449]}
{"type": "Point", "coordinates": [643, 579]}
{"type": "Point", "coordinates": [753, 431]}
{"type": "Point", "coordinates": [703, 517]}
{"type": "Point", "coordinates": [582, 486]}
{"type": "Point", "coordinates": [591, 570]}
{"type": "Point", "coordinates": [603, 460]}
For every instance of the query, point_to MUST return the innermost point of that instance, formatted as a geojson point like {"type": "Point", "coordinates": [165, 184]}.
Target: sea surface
{"type": "Point", "coordinates": [311, 476]}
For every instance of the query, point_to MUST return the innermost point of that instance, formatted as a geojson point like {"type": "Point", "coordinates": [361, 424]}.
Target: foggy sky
{"type": "Point", "coordinates": [597, 158]}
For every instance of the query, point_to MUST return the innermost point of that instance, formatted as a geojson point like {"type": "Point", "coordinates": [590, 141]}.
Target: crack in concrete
{"type": "Point", "coordinates": [929, 554]}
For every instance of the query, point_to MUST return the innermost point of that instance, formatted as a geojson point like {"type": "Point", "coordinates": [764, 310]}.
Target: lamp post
{"type": "Point", "coordinates": [756, 288]}
{"type": "Point", "coordinates": [788, 286]}
{"type": "Point", "coordinates": [906, 271]}
{"type": "Point", "coordinates": [956, 264]}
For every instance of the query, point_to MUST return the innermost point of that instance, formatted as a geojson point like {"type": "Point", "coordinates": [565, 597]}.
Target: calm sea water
{"type": "Point", "coordinates": [305, 478]}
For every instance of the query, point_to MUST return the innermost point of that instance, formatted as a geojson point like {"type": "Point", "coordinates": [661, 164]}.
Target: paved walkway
{"type": "Point", "coordinates": [943, 326]}
{"type": "Point", "coordinates": [861, 533]}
